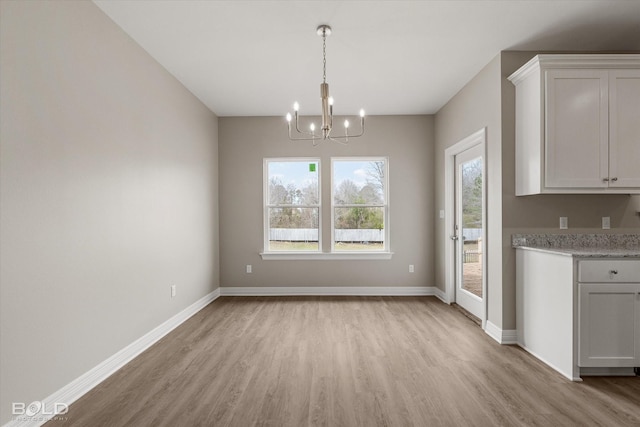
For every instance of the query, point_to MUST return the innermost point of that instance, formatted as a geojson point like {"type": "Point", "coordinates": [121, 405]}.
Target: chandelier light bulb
{"type": "Point", "coordinates": [331, 100]}
{"type": "Point", "coordinates": [362, 113]}
{"type": "Point", "coordinates": [296, 106]}
{"type": "Point", "coordinates": [346, 124]}
{"type": "Point", "coordinates": [312, 127]}
{"type": "Point", "coordinates": [289, 117]}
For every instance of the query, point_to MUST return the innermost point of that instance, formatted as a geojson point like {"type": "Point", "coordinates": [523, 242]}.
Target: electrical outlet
{"type": "Point", "coordinates": [173, 291]}
{"type": "Point", "coordinates": [606, 222]}
{"type": "Point", "coordinates": [441, 213]}
{"type": "Point", "coordinates": [411, 270]}
{"type": "Point", "coordinates": [564, 222]}
{"type": "Point", "coordinates": [249, 269]}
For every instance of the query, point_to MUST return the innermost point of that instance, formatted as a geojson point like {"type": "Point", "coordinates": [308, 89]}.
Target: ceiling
{"type": "Point", "coordinates": [255, 58]}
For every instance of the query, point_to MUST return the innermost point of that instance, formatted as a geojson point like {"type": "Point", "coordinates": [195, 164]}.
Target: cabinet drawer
{"type": "Point", "coordinates": [609, 271]}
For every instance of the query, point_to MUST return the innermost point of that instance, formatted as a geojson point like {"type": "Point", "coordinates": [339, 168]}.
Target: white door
{"type": "Point", "coordinates": [469, 230]}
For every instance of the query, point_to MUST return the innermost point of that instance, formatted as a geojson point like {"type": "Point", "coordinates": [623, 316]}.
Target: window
{"type": "Point", "coordinates": [359, 204]}
{"type": "Point", "coordinates": [359, 211]}
{"type": "Point", "coordinates": [292, 205]}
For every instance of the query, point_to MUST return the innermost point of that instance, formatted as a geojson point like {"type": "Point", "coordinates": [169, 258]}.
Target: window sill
{"type": "Point", "coordinates": [291, 256]}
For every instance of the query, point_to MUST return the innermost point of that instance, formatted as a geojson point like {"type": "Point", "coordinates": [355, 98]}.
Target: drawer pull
{"type": "Point", "coordinates": [613, 271]}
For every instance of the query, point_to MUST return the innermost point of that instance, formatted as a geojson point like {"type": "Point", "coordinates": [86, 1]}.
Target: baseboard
{"type": "Point", "coordinates": [507, 336]}
{"type": "Point", "coordinates": [83, 384]}
{"type": "Point", "coordinates": [567, 375]}
{"type": "Point", "coordinates": [441, 295]}
{"type": "Point", "coordinates": [330, 291]}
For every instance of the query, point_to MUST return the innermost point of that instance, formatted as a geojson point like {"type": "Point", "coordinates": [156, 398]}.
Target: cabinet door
{"type": "Point", "coordinates": [608, 325]}
{"type": "Point", "coordinates": [624, 128]}
{"type": "Point", "coordinates": [576, 129]}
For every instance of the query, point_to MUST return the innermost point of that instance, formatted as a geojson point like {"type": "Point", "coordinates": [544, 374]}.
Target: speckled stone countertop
{"type": "Point", "coordinates": [581, 245]}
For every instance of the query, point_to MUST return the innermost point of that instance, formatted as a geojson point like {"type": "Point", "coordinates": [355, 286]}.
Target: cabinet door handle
{"type": "Point", "coordinates": [605, 179]}
{"type": "Point", "coordinates": [614, 179]}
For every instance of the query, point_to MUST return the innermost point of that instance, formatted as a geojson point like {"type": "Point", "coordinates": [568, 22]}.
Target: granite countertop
{"type": "Point", "coordinates": [581, 245]}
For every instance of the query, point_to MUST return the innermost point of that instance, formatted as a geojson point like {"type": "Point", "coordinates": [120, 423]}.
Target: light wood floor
{"type": "Point", "coordinates": [345, 361]}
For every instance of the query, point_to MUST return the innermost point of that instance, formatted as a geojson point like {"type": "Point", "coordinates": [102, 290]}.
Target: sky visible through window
{"type": "Point", "coordinates": [355, 171]}
{"type": "Point", "coordinates": [298, 174]}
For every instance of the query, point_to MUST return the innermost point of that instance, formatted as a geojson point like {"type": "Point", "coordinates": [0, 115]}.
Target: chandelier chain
{"type": "Point", "coordinates": [324, 58]}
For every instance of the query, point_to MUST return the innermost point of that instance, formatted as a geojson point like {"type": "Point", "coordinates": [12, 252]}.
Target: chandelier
{"type": "Point", "coordinates": [323, 31]}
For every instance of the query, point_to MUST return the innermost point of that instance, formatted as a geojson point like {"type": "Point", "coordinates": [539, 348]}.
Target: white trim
{"type": "Point", "coordinates": [265, 194]}
{"type": "Point", "coordinates": [598, 61]}
{"type": "Point", "coordinates": [385, 206]}
{"type": "Point", "coordinates": [87, 381]}
{"type": "Point", "coordinates": [318, 256]}
{"type": "Point", "coordinates": [477, 138]}
{"type": "Point", "coordinates": [331, 291]}
{"type": "Point", "coordinates": [441, 295]}
{"type": "Point", "coordinates": [507, 336]}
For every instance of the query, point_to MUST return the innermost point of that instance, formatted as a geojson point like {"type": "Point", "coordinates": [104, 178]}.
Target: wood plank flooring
{"type": "Point", "coordinates": [345, 361]}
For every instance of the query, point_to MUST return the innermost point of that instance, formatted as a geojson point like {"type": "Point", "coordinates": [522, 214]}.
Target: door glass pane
{"type": "Point", "coordinates": [472, 226]}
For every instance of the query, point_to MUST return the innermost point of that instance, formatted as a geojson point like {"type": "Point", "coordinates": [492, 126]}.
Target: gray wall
{"type": "Point", "coordinates": [108, 195]}
{"type": "Point", "coordinates": [476, 106]}
{"type": "Point", "coordinates": [488, 100]}
{"type": "Point", "coordinates": [406, 140]}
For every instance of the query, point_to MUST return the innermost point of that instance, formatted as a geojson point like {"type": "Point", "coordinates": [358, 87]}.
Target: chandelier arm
{"type": "Point", "coordinates": [297, 128]}
{"type": "Point", "coordinates": [345, 142]}
{"type": "Point", "coordinates": [295, 138]}
{"type": "Point", "coordinates": [351, 136]}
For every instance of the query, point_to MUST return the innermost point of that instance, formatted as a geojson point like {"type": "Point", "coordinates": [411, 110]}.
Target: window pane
{"type": "Point", "coordinates": [359, 228]}
{"type": "Point", "coordinates": [293, 229]}
{"type": "Point", "coordinates": [358, 182]}
{"type": "Point", "coordinates": [293, 183]}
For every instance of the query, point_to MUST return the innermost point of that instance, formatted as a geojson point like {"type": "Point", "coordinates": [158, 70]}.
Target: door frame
{"type": "Point", "coordinates": [477, 138]}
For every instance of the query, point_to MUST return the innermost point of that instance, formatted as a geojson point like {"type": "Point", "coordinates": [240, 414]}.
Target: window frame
{"type": "Point", "coordinates": [266, 206]}
{"type": "Point", "coordinates": [386, 247]}
{"type": "Point", "coordinates": [318, 255]}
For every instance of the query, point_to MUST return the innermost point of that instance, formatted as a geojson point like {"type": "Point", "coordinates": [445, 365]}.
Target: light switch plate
{"type": "Point", "coordinates": [606, 222]}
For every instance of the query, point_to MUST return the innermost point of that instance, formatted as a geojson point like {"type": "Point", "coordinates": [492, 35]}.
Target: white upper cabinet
{"type": "Point", "coordinates": [578, 124]}
{"type": "Point", "coordinates": [624, 128]}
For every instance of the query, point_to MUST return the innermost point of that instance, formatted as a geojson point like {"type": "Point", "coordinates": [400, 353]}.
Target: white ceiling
{"type": "Point", "coordinates": [255, 58]}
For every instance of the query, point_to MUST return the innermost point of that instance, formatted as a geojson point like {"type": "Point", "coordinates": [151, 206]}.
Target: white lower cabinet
{"type": "Point", "coordinates": [609, 325]}
{"type": "Point", "coordinates": [579, 316]}
{"type": "Point", "coordinates": [609, 313]}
